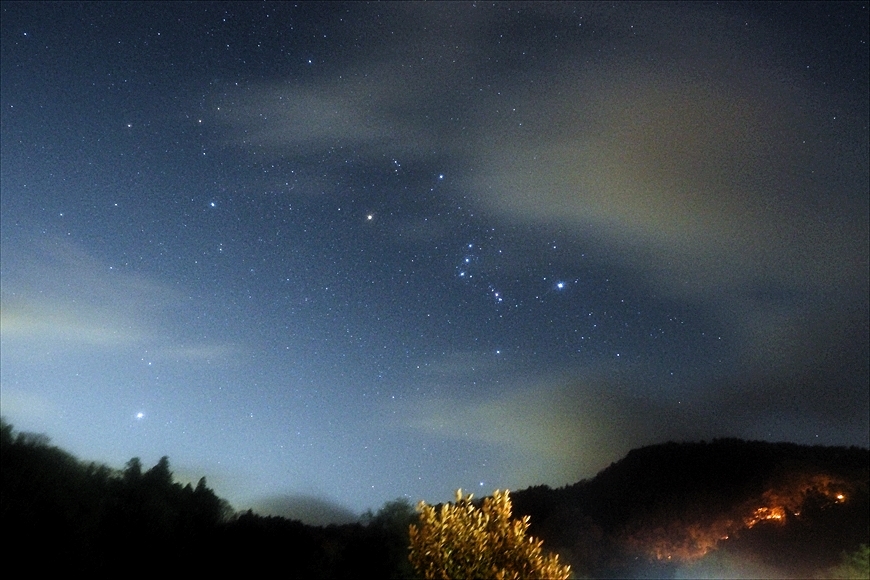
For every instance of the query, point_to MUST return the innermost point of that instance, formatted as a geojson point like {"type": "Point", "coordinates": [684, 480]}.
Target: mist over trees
{"type": "Point", "coordinates": [667, 510]}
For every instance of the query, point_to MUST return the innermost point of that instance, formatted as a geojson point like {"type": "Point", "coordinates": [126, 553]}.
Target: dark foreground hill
{"type": "Point", "coordinates": [672, 510]}
{"type": "Point", "coordinates": [680, 508]}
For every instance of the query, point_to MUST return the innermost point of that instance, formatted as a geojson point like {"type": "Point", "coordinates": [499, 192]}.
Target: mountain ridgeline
{"type": "Point", "coordinates": [790, 509]}
{"type": "Point", "coordinates": [662, 511]}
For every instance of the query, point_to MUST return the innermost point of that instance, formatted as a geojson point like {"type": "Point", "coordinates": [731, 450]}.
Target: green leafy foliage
{"type": "Point", "coordinates": [463, 541]}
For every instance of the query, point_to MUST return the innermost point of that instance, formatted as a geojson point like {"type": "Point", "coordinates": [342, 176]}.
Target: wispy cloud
{"type": "Point", "coordinates": [56, 296]}
{"type": "Point", "coordinates": [703, 167]}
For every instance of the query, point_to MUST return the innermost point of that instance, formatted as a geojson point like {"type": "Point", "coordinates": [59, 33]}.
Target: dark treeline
{"type": "Point", "coordinates": [61, 514]}
{"type": "Point", "coordinates": [87, 517]}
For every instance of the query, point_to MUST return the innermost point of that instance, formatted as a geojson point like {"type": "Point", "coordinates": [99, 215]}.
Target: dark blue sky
{"type": "Point", "coordinates": [333, 254]}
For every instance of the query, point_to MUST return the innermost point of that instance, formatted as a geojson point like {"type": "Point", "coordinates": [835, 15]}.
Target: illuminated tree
{"type": "Point", "coordinates": [463, 541]}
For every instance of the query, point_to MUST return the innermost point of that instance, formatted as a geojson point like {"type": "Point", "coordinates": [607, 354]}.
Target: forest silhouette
{"type": "Point", "coordinates": [661, 510]}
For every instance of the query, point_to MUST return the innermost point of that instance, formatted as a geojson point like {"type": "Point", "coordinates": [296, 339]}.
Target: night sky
{"type": "Point", "coordinates": [328, 255]}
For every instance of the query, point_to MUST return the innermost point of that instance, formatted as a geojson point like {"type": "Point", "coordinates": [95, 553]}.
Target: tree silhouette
{"type": "Point", "coordinates": [463, 541]}
{"type": "Point", "coordinates": [390, 528]}
{"type": "Point", "coordinates": [160, 476]}
{"type": "Point", "coordinates": [133, 470]}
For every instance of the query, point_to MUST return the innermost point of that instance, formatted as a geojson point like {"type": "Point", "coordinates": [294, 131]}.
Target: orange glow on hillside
{"type": "Point", "coordinates": [690, 538]}
{"type": "Point", "coordinates": [765, 514]}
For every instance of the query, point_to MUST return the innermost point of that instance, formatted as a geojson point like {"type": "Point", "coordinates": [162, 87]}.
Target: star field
{"type": "Point", "coordinates": [358, 252]}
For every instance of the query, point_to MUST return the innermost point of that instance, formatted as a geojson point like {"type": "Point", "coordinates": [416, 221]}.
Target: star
{"type": "Point", "coordinates": [298, 305]}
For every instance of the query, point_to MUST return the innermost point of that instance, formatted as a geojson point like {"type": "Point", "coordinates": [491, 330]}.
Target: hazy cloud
{"type": "Point", "coordinates": [567, 426]}
{"type": "Point", "coordinates": [55, 293]}
{"type": "Point", "coordinates": [315, 511]}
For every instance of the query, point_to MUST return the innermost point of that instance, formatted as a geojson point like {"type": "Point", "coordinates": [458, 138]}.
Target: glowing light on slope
{"type": "Point", "coordinates": [689, 539]}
